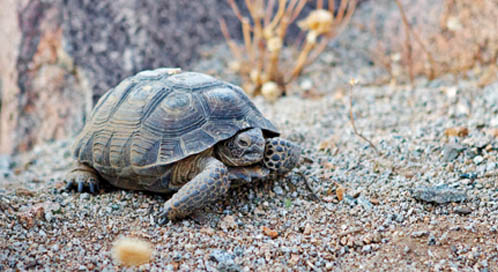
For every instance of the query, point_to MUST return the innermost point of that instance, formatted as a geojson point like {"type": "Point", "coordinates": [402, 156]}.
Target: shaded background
{"type": "Point", "coordinates": [58, 57]}
{"type": "Point", "coordinates": [79, 49]}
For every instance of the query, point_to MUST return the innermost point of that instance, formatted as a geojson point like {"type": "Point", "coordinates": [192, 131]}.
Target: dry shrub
{"type": "Point", "coordinates": [469, 34]}
{"type": "Point", "coordinates": [259, 60]}
{"type": "Point", "coordinates": [439, 37]}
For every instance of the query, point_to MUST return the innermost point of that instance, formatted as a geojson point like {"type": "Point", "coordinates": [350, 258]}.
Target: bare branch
{"type": "Point", "coordinates": [234, 48]}
{"type": "Point", "coordinates": [409, 28]}
{"type": "Point", "coordinates": [269, 12]}
{"type": "Point", "coordinates": [298, 10]}
{"type": "Point", "coordinates": [332, 6]}
{"type": "Point", "coordinates": [235, 9]}
{"type": "Point", "coordinates": [351, 118]}
{"type": "Point", "coordinates": [280, 13]}
{"type": "Point", "coordinates": [246, 33]}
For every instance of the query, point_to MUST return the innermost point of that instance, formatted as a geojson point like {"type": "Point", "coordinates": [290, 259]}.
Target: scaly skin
{"type": "Point", "coordinates": [281, 155]}
{"type": "Point", "coordinates": [209, 185]}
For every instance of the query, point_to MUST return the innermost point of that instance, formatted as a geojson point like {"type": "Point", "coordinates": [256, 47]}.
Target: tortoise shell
{"type": "Point", "coordinates": [156, 118]}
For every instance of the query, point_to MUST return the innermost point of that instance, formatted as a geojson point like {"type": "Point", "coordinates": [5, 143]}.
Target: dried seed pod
{"type": "Point", "coordinates": [132, 251]}
{"type": "Point", "coordinates": [319, 21]}
{"type": "Point", "coordinates": [274, 44]}
{"type": "Point", "coordinates": [271, 91]}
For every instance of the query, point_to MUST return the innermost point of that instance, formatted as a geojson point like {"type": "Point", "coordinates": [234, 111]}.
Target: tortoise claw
{"type": "Point", "coordinates": [82, 179]}
{"type": "Point", "coordinates": [69, 186]}
{"type": "Point", "coordinates": [80, 186]}
{"type": "Point", "coordinates": [92, 188]}
{"type": "Point", "coordinates": [93, 185]}
{"type": "Point", "coordinates": [163, 218]}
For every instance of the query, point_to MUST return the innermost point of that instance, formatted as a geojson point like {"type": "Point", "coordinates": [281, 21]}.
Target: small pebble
{"type": "Point", "coordinates": [418, 234]}
{"type": "Point", "coordinates": [306, 84]}
{"type": "Point", "coordinates": [451, 151]}
{"type": "Point", "coordinates": [221, 256]}
{"type": "Point", "coordinates": [438, 194]}
{"type": "Point", "coordinates": [432, 240]}
{"type": "Point", "coordinates": [48, 216]}
{"type": "Point", "coordinates": [84, 196]}
{"type": "Point", "coordinates": [366, 249]}
{"type": "Point", "coordinates": [462, 210]}
{"type": "Point", "coordinates": [478, 159]}
{"type": "Point", "coordinates": [278, 190]}
{"type": "Point", "coordinates": [406, 250]}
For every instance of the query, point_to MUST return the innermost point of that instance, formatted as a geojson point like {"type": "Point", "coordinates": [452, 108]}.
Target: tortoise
{"type": "Point", "coordinates": [164, 130]}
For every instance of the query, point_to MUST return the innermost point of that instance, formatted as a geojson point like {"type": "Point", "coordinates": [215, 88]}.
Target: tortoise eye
{"type": "Point", "coordinates": [243, 142]}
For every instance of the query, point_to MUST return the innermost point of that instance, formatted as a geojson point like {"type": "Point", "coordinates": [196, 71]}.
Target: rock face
{"type": "Point", "coordinates": [62, 55]}
{"type": "Point", "coordinates": [44, 96]}
{"type": "Point", "coordinates": [115, 39]}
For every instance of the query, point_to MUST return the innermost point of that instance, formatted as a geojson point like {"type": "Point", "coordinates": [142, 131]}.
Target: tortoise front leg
{"type": "Point", "coordinates": [281, 155]}
{"type": "Point", "coordinates": [82, 177]}
{"type": "Point", "coordinates": [209, 185]}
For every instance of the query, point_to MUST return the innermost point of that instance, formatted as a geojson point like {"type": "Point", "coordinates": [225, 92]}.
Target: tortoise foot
{"type": "Point", "coordinates": [281, 155]}
{"type": "Point", "coordinates": [82, 178]}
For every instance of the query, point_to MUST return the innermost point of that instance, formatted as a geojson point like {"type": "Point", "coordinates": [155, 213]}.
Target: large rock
{"type": "Point", "coordinates": [44, 96]}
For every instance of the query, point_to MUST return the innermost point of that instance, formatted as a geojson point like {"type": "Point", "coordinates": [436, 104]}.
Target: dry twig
{"type": "Point", "coordinates": [351, 118]}
{"type": "Point", "coordinates": [308, 186]}
{"type": "Point", "coordinates": [409, 31]}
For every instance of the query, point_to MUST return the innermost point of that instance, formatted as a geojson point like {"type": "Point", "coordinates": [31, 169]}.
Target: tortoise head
{"type": "Point", "coordinates": [245, 148]}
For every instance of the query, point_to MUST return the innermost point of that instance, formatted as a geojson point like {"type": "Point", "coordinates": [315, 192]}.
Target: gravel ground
{"type": "Point", "coordinates": [392, 215]}
{"type": "Point", "coordinates": [421, 200]}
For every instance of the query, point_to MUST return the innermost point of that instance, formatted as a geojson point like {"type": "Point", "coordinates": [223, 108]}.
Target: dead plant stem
{"type": "Point", "coordinates": [351, 118]}
{"type": "Point", "coordinates": [409, 30]}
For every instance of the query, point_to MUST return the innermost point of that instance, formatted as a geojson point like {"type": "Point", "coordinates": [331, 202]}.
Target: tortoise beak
{"type": "Point", "coordinates": [256, 150]}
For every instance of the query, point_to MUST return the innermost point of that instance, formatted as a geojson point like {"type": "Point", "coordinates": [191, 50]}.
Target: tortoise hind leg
{"type": "Point", "coordinates": [209, 185]}
{"type": "Point", "coordinates": [82, 177]}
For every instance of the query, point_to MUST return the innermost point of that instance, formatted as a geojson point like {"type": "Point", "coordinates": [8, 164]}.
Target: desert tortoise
{"type": "Point", "coordinates": [163, 130]}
